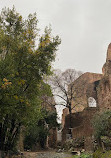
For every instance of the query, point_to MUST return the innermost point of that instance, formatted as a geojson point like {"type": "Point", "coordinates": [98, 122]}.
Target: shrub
{"type": "Point", "coordinates": [102, 127]}
{"type": "Point", "coordinates": [84, 155]}
{"type": "Point", "coordinates": [100, 154]}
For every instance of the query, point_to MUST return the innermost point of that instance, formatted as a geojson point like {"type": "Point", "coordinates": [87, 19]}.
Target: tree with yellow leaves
{"type": "Point", "coordinates": [23, 65]}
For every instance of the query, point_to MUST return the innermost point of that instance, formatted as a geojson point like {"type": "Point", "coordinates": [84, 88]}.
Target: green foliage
{"type": "Point", "coordinates": [23, 66]}
{"type": "Point", "coordinates": [100, 154]}
{"type": "Point", "coordinates": [51, 119]}
{"type": "Point", "coordinates": [37, 134]}
{"type": "Point", "coordinates": [102, 124]}
{"type": "Point", "coordinates": [84, 155]}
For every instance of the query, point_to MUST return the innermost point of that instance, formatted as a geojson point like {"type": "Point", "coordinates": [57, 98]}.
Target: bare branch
{"type": "Point", "coordinates": [63, 86]}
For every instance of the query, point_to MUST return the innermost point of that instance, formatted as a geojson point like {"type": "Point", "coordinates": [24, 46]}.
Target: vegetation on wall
{"type": "Point", "coordinates": [102, 128]}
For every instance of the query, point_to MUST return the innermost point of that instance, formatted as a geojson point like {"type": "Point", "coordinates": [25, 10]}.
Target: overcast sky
{"type": "Point", "coordinates": [84, 27]}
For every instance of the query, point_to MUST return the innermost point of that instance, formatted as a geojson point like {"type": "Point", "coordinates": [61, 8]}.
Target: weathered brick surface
{"type": "Point", "coordinates": [65, 113]}
{"type": "Point", "coordinates": [81, 86]}
{"type": "Point", "coordinates": [52, 140]}
{"type": "Point", "coordinates": [81, 124]}
{"type": "Point", "coordinates": [84, 87]}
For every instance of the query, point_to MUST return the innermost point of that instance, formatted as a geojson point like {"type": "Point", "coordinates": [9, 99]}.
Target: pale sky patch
{"type": "Point", "coordinates": [84, 27]}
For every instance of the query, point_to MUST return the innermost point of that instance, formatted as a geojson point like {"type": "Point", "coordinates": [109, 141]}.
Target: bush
{"type": "Point", "coordinates": [85, 155]}
{"type": "Point", "coordinates": [74, 143]}
{"type": "Point", "coordinates": [100, 154]}
{"type": "Point", "coordinates": [101, 124]}
{"type": "Point", "coordinates": [102, 128]}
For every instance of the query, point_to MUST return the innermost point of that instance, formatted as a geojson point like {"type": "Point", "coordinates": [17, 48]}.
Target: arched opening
{"type": "Point", "coordinates": [92, 102]}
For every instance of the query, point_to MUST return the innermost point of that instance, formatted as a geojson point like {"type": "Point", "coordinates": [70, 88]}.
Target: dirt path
{"type": "Point", "coordinates": [30, 154]}
{"type": "Point", "coordinates": [46, 155]}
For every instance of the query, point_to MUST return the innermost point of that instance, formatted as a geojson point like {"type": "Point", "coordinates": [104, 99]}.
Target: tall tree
{"type": "Point", "coordinates": [64, 88]}
{"type": "Point", "coordinates": [23, 65]}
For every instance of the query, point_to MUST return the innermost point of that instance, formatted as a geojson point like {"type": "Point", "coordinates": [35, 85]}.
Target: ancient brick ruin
{"type": "Point", "coordinates": [93, 92]}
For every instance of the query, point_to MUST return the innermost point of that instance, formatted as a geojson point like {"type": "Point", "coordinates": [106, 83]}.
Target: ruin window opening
{"type": "Point", "coordinates": [92, 102]}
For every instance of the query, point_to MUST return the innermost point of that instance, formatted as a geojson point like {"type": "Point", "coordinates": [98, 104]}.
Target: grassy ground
{"type": "Point", "coordinates": [100, 154]}
{"type": "Point", "coordinates": [82, 156]}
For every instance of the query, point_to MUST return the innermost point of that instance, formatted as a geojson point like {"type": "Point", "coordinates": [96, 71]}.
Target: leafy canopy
{"type": "Point", "coordinates": [23, 65]}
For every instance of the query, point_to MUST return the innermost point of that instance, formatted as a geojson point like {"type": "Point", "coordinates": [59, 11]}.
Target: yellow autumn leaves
{"type": "Point", "coordinates": [6, 83]}
{"type": "Point", "coordinates": [20, 99]}
{"type": "Point", "coordinates": [45, 41]}
{"type": "Point", "coordinates": [21, 82]}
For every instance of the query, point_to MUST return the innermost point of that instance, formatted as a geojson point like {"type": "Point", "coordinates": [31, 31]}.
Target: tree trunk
{"type": "Point", "coordinates": [70, 121]}
{"type": "Point", "coordinates": [99, 142]}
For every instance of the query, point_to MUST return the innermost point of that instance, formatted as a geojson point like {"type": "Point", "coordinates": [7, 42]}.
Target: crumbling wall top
{"type": "Point", "coordinates": [109, 53]}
